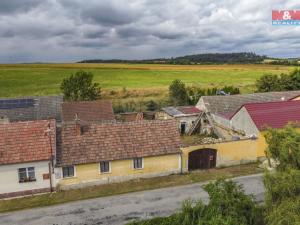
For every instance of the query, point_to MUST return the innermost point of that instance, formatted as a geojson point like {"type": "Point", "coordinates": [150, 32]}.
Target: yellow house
{"type": "Point", "coordinates": [100, 153]}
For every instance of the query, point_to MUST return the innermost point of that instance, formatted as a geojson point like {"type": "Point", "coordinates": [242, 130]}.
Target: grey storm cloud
{"type": "Point", "coordinates": [14, 6]}
{"type": "Point", "coordinates": [71, 30]}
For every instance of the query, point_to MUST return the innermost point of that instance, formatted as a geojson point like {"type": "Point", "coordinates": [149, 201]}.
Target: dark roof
{"type": "Point", "coordinates": [31, 108]}
{"type": "Point", "coordinates": [113, 141]}
{"type": "Point", "coordinates": [100, 110]}
{"type": "Point", "coordinates": [26, 141]}
{"type": "Point", "coordinates": [226, 106]}
{"type": "Point", "coordinates": [274, 114]}
{"type": "Point", "coordinates": [182, 110]}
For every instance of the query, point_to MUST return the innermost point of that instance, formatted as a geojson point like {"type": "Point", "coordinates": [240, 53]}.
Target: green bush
{"type": "Point", "coordinates": [282, 82]}
{"type": "Point", "coordinates": [228, 205]}
{"type": "Point", "coordinates": [282, 201]}
{"type": "Point", "coordinates": [286, 212]}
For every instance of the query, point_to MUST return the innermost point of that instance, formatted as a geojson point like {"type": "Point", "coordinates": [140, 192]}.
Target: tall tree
{"type": "Point", "coordinates": [178, 93]}
{"type": "Point", "coordinates": [80, 87]}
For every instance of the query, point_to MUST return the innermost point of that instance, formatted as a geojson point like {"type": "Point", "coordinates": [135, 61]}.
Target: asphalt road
{"type": "Point", "coordinates": [122, 208]}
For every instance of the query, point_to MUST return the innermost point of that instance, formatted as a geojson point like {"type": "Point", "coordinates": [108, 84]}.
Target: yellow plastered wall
{"type": "Point", "coordinates": [228, 153]}
{"type": "Point", "coordinates": [262, 144]}
{"type": "Point", "coordinates": [122, 169]}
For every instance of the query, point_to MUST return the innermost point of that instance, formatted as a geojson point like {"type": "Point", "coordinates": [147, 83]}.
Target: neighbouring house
{"type": "Point", "coordinates": [30, 108]}
{"type": "Point", "coordinates": [185, 116]}
{"type": "Point", "coordinates": [218, 109]}
{"type": "Point", "coordinates": [27, 155]}
{"type": "Point", "coordinates": [130, 116]}
{"type": "Point", "coordinates": [253, 118]}
{"type": "Point", "coordinates": [88, 111]}
{"type": "Point", "coordinates": [250, 121]}
{"type": "Point", "coordinates": [98, 153]}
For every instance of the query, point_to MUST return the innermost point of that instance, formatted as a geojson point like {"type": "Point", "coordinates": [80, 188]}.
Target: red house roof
{"type": "Point", "coordinates": [100, 110]}
{"type": "Point", "coordinates": [114, 141]}
{"type": "Point", "coordinates": [22, 142]}
{"type": "Point", "coordinates": [274, 114]}
{"type": "Point", "coordinates": [189, 109]}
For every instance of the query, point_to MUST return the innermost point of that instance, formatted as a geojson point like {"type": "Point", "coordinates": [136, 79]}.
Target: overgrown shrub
{"type": "Point", "coordinates": [282, 201]}
{"type": "Point", "coordinates": [282, 82]}
{"type": "Point", "coordinates": [228, 205]}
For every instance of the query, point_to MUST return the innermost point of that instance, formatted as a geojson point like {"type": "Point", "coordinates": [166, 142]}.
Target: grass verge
{"type": "Point", "coordinates": [126, 187]}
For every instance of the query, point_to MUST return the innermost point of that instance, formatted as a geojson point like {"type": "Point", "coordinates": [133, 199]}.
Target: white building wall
{"type": "Point", "coordinates": [201, 105]}
{"type": "Point", "coordinates": [188, 120]}
{"type": "Point", "coordinates": [242, 121]}
{"type": "Point", "coordinates": [221, 121]}
{"type": "Point", "coordinates": [9, 177]}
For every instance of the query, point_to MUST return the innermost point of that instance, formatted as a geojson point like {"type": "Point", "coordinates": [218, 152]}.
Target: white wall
{"type": "Point", "coordinates": [9, 177]}
{"type": "Point", "coordinates": [221, 121]}
{"type": "Point", "coordinates": [188, 120]}
{"type": "Point", "coordinates": [201, 105]}
{"type": "Point", "coordinates": [242, 121]}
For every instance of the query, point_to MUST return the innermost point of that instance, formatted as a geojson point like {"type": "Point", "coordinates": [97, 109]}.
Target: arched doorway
{"type": "Point", "coordinates": [202, 159]}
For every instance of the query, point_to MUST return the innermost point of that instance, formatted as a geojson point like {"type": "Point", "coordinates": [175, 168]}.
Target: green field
{"type": "Point", "coordinates": [139, 80]}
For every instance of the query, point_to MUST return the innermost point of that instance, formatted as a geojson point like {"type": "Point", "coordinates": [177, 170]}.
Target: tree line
{"type": "Point", "coordinates": [206, 58]}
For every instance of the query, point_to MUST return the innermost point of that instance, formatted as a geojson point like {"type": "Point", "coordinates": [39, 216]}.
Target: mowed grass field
{"type": "Point", "coordinates": [141, 79]}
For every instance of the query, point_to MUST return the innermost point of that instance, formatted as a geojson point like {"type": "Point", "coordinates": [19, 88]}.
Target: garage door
{"type": "Point", "coordinates": [202, 159]}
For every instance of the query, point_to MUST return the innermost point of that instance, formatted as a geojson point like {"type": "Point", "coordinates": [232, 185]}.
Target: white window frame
{"type": "Point", "coordinates": [27, 174]}
{"type": "Point", "coordinates": [62, 172]}
{"type": "Point", "coordinates": [109, 165]}
{"type": "Point", "coordinates": [142, 163]}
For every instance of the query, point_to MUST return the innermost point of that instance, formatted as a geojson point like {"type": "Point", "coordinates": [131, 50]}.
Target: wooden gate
{"type": "Point", "coordinates": [202, 159]}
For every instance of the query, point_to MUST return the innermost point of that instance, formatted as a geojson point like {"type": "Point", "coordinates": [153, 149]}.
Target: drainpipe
{"type": "Point", "coordinates": [50, 177]}
{"type": "Point", "coordinates": [181, 169]}
{"type": "Point", "coordinates": [51, 163]}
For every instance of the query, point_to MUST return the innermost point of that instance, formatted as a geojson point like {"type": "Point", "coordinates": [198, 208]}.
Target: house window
{"type": "Point", "coordinates": [26, 174]}
{"type": "Point", "coordinates": [104, 167]}
{"type": "Point", "coordinates": [68, 171]}
{"type": "Point", "coordinates": [138, 163]}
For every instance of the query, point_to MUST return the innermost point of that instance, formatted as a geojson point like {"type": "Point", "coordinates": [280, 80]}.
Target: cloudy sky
{"type": "Point", "coordinates": [72, 30]}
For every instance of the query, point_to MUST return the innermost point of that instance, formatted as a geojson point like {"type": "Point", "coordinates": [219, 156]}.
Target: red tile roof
{"type": "Point", "coordinates": [189, 109]}
{"type": "Point", "coordinates": [113, 141]}
{"type": "Point", "coordinates": [274, 114]}
{"type": "Point", "coordinates": [100, 110]}
{"type": "Point", "coordinates": [26, 141]}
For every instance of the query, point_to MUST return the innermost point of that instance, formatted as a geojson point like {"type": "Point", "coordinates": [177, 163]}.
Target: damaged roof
{"type": "Point", "coordinates": [226, 106]}
{"type": "Point", "coordinates": [99, 110]}
{"type": "Point", "coordinates": [29, 141]}
{"type": "Point", "coordinates": [182, 111]}
{"type": "Point", "coordinates": [114, 141]}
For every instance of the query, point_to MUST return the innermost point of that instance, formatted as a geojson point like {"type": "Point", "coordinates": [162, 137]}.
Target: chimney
{"type": "Point", "coordinates": [77, 125]}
